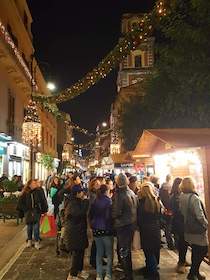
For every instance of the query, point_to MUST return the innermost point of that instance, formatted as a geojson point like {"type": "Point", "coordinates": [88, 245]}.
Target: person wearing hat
{"type": "Point", "coordinates": [124, 215]}
{"type": "Point", "coordinates": [75, 237]}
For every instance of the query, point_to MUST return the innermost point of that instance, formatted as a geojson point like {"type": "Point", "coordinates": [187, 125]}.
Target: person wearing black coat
{"type": "Point", "coordinates": [178, 225]}
{"type": "Point", "coordinates": [75, 236]}
{"type": "Point", "coordinates": [148, 219]}
{"type": "Point", "coordinates": [31, 204]}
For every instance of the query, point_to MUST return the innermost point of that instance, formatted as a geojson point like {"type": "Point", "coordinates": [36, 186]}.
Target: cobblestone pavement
{"type": "Point", "coordinates": [45, 265]}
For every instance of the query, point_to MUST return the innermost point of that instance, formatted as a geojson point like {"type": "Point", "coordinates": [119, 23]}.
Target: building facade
{"type": "Point", "coordinates": [132, 71]}
{"type": "Point", "coordinates": [64, 142]}
{"type": "Point", "coordinates": [16, 50]}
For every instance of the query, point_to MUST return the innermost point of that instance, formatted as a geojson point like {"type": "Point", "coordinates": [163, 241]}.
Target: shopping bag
{"type": "Point", "coordinates": [136, 241]}
{"type": "Point", "coordinates": [45, 225]}
{"type": "Point", "coordinates": [48, 226]}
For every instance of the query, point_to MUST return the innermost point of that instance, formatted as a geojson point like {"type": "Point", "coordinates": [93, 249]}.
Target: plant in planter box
{"type": "Point", "coordinates": [10, 188]}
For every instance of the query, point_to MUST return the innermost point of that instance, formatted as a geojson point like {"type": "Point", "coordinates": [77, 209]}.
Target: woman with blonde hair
{"type": "Point", "coordinates": [195, 226]}
{"type": "Point", "coordinates": [149, 226]}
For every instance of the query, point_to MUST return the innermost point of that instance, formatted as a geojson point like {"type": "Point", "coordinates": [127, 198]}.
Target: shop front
{"type": "Point", "coordinates": [4, 138]}
{"type": "Point", "coordinates": [3, 152]}
{"type": "Point", "coordinates": [182, 163]}
{"type": "Point", "coordinates": [18, 160]}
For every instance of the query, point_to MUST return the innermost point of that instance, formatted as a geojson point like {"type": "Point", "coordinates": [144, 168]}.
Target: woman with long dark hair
{"type": "Point", "coordinates": [75, 236]}
{"type": "Point", "coordinates": [178, 225]}
{"type": "Point", "coordinates": [32, 203]}
{"type": "Point", "coordinates": [54, 194]}
{"type": "Point", "coordinates": [149, 225]}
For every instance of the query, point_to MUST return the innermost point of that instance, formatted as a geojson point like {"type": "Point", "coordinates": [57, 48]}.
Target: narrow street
{"type": "Point", "coordinates": [45, 265]}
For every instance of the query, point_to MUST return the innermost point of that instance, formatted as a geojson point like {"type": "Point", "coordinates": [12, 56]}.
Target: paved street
{"type": "Point", "coordinates": [45, 265]}
{"type": "Point", "coordinates": [11, 240]}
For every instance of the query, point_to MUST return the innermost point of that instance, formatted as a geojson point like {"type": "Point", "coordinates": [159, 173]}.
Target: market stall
{"type": "Point", "coordinates": [180, 153]}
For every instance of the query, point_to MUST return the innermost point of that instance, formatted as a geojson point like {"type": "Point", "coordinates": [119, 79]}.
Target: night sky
{"type": "Point", "coordinates": [70, 38]}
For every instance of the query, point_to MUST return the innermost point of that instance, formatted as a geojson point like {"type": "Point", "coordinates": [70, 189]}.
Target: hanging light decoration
{"type": "Point", "coordinates": [31, 128]}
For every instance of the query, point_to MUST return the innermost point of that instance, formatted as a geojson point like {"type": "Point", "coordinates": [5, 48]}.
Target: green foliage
{"type": "Point", "coordinates": [178, 92]}
{"type": "Point", "coordinates": [10, 186]}
{"type": "Point", "coordinates": [8, 200]}
{"type": "Point", "coordinates": [47, 161]}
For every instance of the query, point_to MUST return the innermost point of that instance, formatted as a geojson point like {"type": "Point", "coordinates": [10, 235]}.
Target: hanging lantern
{"type": "Point", "coordinates": [31, 128]}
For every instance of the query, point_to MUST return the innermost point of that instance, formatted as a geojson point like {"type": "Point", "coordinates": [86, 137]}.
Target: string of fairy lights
{"type": "Point", "coordinates": [79, 129]}
{"type": "Point", "coordinates": [131, 41]}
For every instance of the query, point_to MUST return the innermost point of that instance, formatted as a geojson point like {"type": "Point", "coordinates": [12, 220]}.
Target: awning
{"type": "Point", "coordinates": [4, 137]}
{"type": "Point", "coordinates": [162, 140]}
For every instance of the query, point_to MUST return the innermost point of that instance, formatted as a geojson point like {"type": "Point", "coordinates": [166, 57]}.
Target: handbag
{"type": "Point", "coordinates": [192, 224]}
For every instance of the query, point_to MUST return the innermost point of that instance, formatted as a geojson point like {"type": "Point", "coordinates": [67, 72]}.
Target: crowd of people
{"type": "Point", "coordinates": [116, 208]}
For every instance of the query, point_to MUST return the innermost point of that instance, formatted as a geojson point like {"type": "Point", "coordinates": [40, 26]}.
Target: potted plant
{"type": "Point", "coordinates": [8, 203]}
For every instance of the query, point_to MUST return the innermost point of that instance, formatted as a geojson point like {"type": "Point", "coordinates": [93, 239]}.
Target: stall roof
{"type": "Point", "coordinates": [122, 158]}
{"type": "Point", "coordinates": [160, 140]}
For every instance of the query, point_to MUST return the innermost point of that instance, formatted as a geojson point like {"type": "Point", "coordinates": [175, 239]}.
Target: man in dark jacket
{"type": "Point", "coordinates": [124, 215]}
{"type": "Point", "coordinates": [76, 230]}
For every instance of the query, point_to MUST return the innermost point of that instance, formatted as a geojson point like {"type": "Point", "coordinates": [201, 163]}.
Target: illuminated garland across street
{"type": "Point", "coordinates": [130, 42]}
{"type": "Point", "coordinates": [78, 128]}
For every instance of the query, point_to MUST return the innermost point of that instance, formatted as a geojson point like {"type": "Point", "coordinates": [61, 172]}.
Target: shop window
{"type": "Point", "coordinates": [138, 62]}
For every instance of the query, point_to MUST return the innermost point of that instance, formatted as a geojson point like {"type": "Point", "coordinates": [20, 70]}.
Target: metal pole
{"type": "Point", "coordinates": [31, 161]}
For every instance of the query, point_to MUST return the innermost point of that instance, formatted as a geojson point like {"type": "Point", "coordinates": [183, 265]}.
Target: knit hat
{"type": "Point", "coordinates": [76, 189]}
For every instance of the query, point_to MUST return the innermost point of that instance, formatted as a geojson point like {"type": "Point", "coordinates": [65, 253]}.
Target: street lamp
{"type": "Point", "coordinates": [51, 86]}
{"type": "Point", "coordinates": [104, 124]}
{"type": "Point", "coordinates": [72, 139]}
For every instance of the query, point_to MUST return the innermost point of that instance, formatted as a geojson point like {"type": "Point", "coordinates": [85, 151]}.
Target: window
{"type": "Point", "coordinates": [25, 60]}
{"type": "Point", "coordinates": [42, 137]}
{"type": "Point", "coordinates": [135, 25]}
{"type": "Point", "coordinates": [25, 20]}
{"type": "Point", "coordinates": [11, 113]}
{"type": "Point", "coordinates": [47, 138]}
{"type": "Point", "coordinates": [138, 63]}
{"type": "Point", "coordinates": [14, 38]}
{"type": "Point", "coordinates": [50, 141]}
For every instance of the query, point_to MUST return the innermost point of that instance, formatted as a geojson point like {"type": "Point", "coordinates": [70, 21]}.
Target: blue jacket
{"type": "Point", "coordinates": [101, 214]}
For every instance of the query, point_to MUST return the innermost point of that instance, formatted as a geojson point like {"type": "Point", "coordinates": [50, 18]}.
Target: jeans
{"type": "Point", "coordinates": [198, 254]}
{"type": "Point", "coordinates": [104, 245]}
{"type": "Point", "coordinates": [93, 254]}
{"type": "Point", "coordinates": [167, 230]}
{"type": "Point", "coordinates": [124, 238]}
{"type": "Point", "coordinates": [182, 248]}
{"type": "Point", "coordinates": [151, 260]}
{"type": "Point", "coordinates": [77, 262]}
{"type": "Point", "coordinates": [33, 228]}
